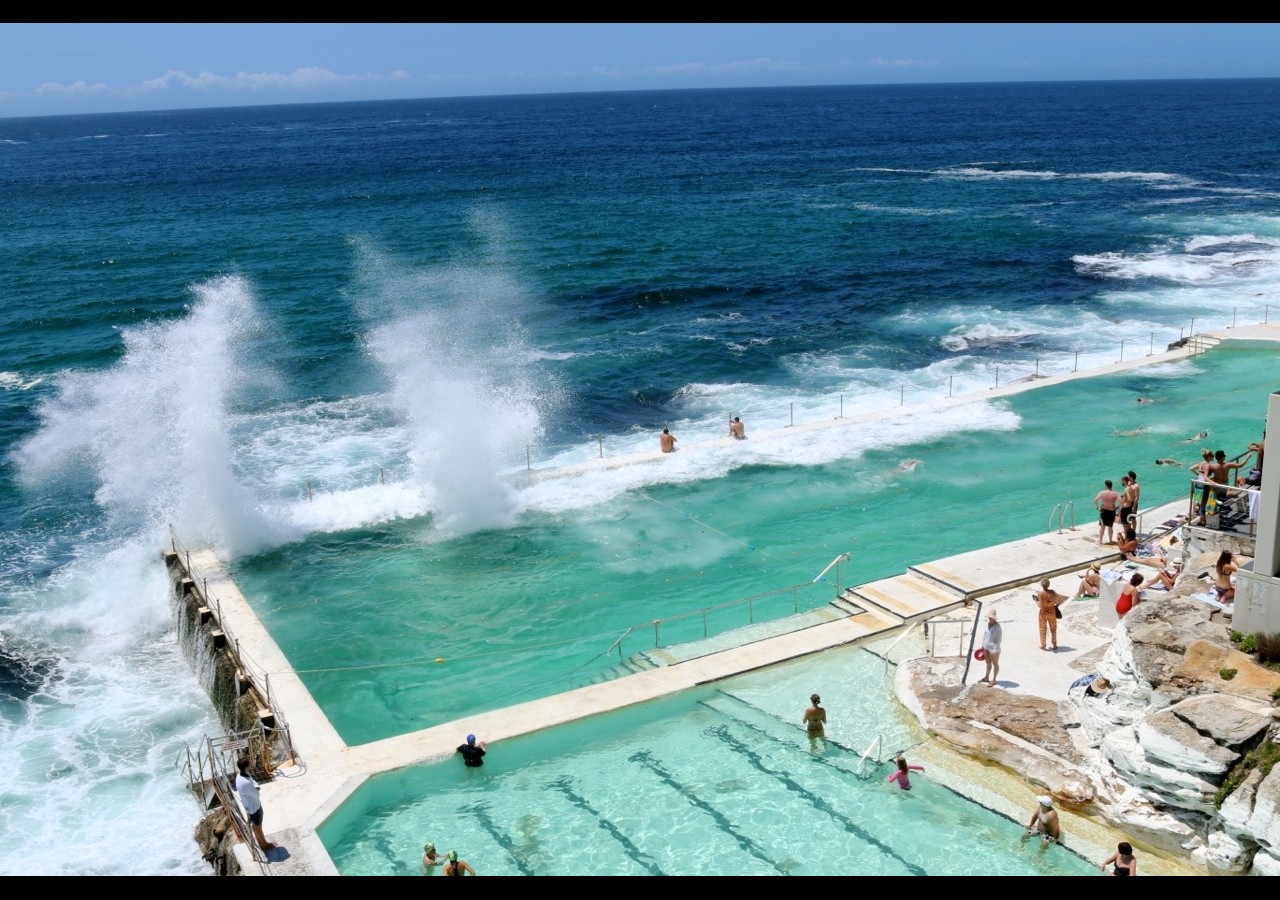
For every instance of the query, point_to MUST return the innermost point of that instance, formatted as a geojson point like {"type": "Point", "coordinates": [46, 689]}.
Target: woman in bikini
{"type": "Point", "coordinates": [1123, 860]}
{"type": "Point", "coordinates": [1128, 595]}
{"type": "Point", "coordinates": [1224, 591]}
{"type": "Point", "coordinates": [815, 721]}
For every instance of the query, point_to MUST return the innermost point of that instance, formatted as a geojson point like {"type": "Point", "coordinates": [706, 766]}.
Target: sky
{"type": "Point", "coordinates": [60, 69]}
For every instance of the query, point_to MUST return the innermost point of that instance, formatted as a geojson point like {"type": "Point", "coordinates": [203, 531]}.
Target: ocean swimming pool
{"type": "Point", "coordinates": [716, 781]}
{"type": "Point", "coordinates": [395, 628]}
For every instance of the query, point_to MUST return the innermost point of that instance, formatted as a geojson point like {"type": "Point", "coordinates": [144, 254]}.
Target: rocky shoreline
{"type": "Point", "coordinates": [1167, 757]}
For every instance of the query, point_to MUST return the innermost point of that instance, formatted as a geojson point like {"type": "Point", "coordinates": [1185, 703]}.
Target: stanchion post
{"type": "Point", "coordinates": [951, 383]}
{"type": "Point", "coordinates": [1076, 366]}
{"type": "Point", "coordinates": [1122, 350]}
{"type": "Point", "coordinates": [902, 395]}
{"type": "Point", "coordinates": [997, 376]}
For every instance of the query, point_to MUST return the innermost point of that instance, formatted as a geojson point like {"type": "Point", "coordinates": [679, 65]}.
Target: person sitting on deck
{"type": "Point", "coordinates": [1135, 551]}
{"type": "Point", "coordinates": [1090, 582]}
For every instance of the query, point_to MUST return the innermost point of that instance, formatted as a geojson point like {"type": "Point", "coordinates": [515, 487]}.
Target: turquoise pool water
{"type": "Point", "coordinates": [530, 610]}
{"type": "Point", "coordinates": [714, 782]}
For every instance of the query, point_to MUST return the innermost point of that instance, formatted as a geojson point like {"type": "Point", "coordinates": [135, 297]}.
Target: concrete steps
{"type": "Point", "coordinates": [904, 598]}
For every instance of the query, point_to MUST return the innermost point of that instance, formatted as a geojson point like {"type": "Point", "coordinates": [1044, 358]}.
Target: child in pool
{"type": "Point", "coordinates": [903, 775]}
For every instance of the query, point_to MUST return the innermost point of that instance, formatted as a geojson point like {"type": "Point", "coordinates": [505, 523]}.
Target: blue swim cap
{"type": "Point", "coordinates": [471, 739]}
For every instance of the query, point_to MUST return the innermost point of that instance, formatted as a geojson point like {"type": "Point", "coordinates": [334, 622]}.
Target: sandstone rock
{"type": "Point", "coordinates": [1020, 732]}
{"type": "Point", "coordinates": [1204, 660]}
{"type": "Point", "coordinates": [1162, 783]}
{"type": "Point", "coordinates": [1227, 719]}
{"type": "Point", "coordinates": [1238, 807]}
{"type": "Point", "coordinates": [1265, 864]}
{"type": "Point", "coordinates": [1224, 855]}
{"type": "Point", "coordinates": [1264, 822]}
{"type": "Point", "coordinates": [1167, 738]}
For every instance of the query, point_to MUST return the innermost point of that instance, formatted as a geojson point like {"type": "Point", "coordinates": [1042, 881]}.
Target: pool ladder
{"type": "Point", "coordinates": [1060, 511]}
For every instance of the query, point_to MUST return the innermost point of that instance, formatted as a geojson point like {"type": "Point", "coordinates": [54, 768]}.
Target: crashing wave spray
{"type": "Point", "coordinates": [450, 341]}
{"type": "Point", "coordinates": [154, 430]}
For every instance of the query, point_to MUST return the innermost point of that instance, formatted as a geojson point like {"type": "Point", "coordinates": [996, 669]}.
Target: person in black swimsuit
{"type": "Point", "coordinates": [472, 752]}
{"type": "Point", "coordinates": [1123, 860]}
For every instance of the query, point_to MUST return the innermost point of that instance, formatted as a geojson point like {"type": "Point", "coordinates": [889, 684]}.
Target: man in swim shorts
{"type": "Point", "coordinates": [1044, 822]}
{"type": "Point", "coordinates": [1105, 503]}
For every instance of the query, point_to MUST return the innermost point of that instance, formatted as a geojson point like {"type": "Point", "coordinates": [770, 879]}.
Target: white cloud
{"type": "Point", "coordinates": [879, 62]}
{"type": "Point", "coordinates": [760, 64]}
{"type": "Point", "coordinates": [76, 89]}
{"type": "Point", "coordinates": [305, 79]}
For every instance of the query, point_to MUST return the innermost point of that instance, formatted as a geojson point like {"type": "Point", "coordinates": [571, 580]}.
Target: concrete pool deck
{"type": "Point", "coordinates": [303, 795]}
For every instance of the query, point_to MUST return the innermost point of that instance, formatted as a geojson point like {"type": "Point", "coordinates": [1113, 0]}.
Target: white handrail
{"type": "Point", "coordinates": [910, 628]}
{"type": "Point", "coordinates": [843, 557]}
{"type": "Point", "coordinates": [866, 753]}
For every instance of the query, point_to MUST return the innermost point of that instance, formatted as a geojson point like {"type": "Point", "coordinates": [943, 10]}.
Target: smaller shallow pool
{"type": "Point", "coordinates": [717, 781]}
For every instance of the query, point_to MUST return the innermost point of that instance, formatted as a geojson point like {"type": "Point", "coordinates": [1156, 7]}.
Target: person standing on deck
{"type": "Point", "coordinates": [1125, 510]}
{"type": "Point", "coordinates": [1105, 503]}
{"type": "Point", "coordinates": [1136, 490]}
{"type": "Point", "coordinates": [1048, 600]}
{"type": "Point", "coordinates": [247, 788]}
{"type": "Point", "coordinates": [991, 648]}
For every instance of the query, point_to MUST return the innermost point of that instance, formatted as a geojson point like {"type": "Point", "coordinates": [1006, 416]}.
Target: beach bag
{"type": "Point", "coordinates": [1057, 612]}
{"type": "Point", "coordinates": [979, 654]}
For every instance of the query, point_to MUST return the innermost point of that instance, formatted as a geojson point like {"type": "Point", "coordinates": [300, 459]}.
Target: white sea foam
{"type": "Point", "coordinates": [91, 781]}
{"type": "Point", "coordinates": [13, 381]}
{"type": "Point", "coordinates": [1199, 260]}
{"type": "Point", "coordinates": [780, 446]}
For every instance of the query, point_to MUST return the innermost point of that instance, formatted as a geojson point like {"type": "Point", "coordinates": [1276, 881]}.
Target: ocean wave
{"type": "Point", "coordinates": [1198, 260]}
{"type": "Point", "coordinates": [13, 381]}
{"type": "Point", "coordinates": [1048, 174]}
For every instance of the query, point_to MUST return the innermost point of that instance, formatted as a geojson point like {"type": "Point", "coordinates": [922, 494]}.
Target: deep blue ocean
{"type": "Point", "coordinates": [277, 327]}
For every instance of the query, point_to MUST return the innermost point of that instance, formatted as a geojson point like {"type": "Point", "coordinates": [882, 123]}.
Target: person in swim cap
{"type": "Point", "coordinates": [457, 866]}
{"type": "Point", "coordinates": [430, 857]}
{"type": "Point", "coordinates": [472, 752]}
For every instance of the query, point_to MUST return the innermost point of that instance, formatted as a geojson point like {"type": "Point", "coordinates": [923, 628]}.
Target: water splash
{"type": "Point", "coordinates": [153, 430]}
{"type": "Point", "coordinates": [450, 340]}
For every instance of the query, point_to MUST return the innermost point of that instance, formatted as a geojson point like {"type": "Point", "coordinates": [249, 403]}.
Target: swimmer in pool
{"type": "Point", "coordinates": [814, 721]}
{"type": "Point", "coordinates": [902, 774]}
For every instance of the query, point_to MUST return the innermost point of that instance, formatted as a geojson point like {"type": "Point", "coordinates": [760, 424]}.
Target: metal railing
{"type": "Point", "coordinates": [910, 628]}
{"type": "Point", "coordinates": [211, 772]}
{"type": "Point", "coordinates": [876, 745]}
{"type": "Point", "coordinates": [281, 742]}
{"type": "Point", "coordinates": [705, 612]}
{"type": "Point", "coordinates": [1060, 511]}
{"type": "Point", "coordinates": [823, 409]}
{"type": "Point", "coordinates": [1222, 507]}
